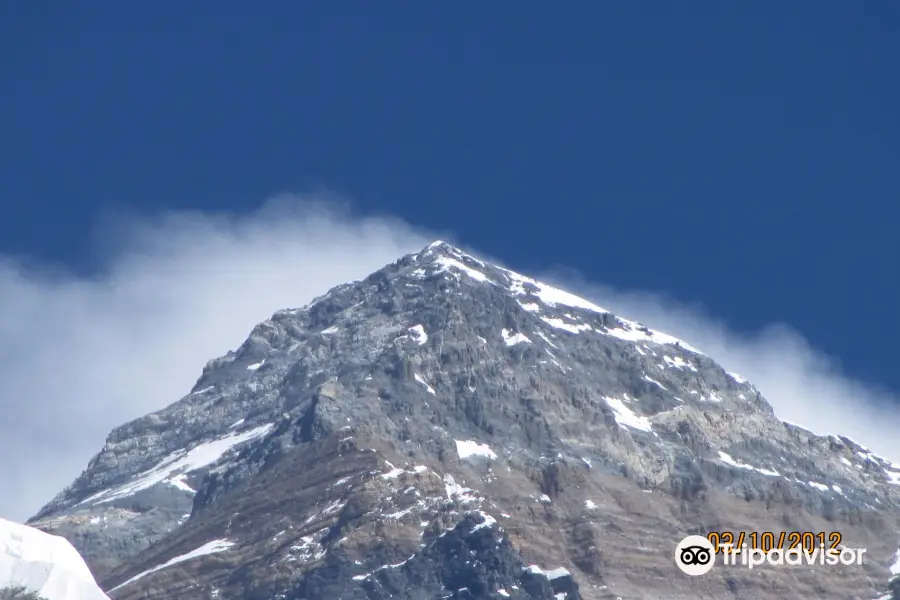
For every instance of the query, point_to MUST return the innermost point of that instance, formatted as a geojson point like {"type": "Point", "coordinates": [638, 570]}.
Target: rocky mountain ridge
{"type": "Point", "coordinates": [447, 428]}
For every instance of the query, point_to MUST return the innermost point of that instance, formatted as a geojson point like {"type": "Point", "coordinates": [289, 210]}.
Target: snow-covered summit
{"type": "Point", "coordinates": [44, 563]}
{"type": "Point", "coordinates": [535, 296]}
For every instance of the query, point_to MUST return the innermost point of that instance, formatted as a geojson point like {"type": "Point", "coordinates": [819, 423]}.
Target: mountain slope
{"type": "Point", "coordinates": [445, 408]}
{"type": "Point", "coordinates": [43, 563]}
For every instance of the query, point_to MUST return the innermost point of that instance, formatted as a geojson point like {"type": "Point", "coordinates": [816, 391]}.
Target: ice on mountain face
{"type": "Point", "coordinates": [212, 547]}
{"type": "Point", "coordinates": [183, 461]}
{"type": "Point", "coordinates": [627, 417]}
{"type": "Point", "coordinates": [181, 484]}
{"type": "Point", "coordinates": [635, 332]}
{"type": "Point", "coordinates": [570, 327]}
{"type": "Point", "coordinates": [546, 339]}
{"type": "Point", "coordinates": [449, 248]}
{"type": "Point", "coordinates": [448, 263]}
{"type": "Point", "coordinates": [655, 382]}
{"type": "Point", "coordinates": [256, 366]}
{"type": "Point", "coordinates": [511, 339]}
{"type": "Point", "coordinates": [895, 568]}
{"type": "Point", "coordinates": [458, 492]}
{"type": "Point", "coordinates": [418, 335]}
{"type": "Point", "coordinates": [45, 564]}
{"type": "Point", "coordinates": [555, 361]}
{"type": "Point", "coordinates": [469, 448]}
{"type": "Point", "coordinates": [549, 295]}
{"type": "Point", "coordinates": [424, 384]}
{"type": "Point", "coordinates": [334, 507]}
{"type": "Point", "coordinates": [891, 470]}
{"type": "Point", "coordinates": [727, 459]}
{"type": "Point", "coordinates": [365, 576]}
{"type": "Point", "coordinates": [549, 573]}
{"type": "Point", "coordinates": [867, 455]}
{"type": "Point", "coordinates": [736, 377]}
{"type": "Point", "coordinates": [678, 363]}
{"type": "Point", "coordinates": [488, 521]}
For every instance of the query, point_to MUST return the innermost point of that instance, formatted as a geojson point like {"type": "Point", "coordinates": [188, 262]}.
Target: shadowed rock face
{"type": "Point", "coordinates": [449, 429]}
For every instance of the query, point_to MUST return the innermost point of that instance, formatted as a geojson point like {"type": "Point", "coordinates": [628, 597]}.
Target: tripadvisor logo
{"type": "Point", "coordinates": [696, 555]}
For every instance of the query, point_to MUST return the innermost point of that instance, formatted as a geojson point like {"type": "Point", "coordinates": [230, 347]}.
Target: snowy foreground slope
{"type": "Point", "coordinates": [44, 563]}
{"type": "Point", "coordinates": [446, 428]}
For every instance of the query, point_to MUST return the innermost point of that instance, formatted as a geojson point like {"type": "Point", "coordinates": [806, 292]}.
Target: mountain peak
{"type": "Point", "coordinates": [532, 295]}
{"type": "Point", "coordinates": [442, 245]}
{"type": "Point", "coordinates": [443, 252]}
{"type": "Point", "coordinates": [385, 439]}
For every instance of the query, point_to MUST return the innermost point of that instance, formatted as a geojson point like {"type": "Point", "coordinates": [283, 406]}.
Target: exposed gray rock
{"type": "Point", "coordinates": [383, 422]}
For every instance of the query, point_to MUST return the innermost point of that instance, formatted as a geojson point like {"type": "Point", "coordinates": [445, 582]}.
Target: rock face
{"type": "Point", "coordinates": [449, 429]}
{"type": "Point", "coordinates": [34, 561]}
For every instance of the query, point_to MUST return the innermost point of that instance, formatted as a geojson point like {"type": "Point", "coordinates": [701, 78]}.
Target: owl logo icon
{"type": "Point", "coordinates": [695, 555]}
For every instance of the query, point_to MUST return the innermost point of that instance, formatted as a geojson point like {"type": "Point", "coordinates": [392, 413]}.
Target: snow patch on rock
{"type": "Point", "coordinates": [178, 463]}
{"type": "Point", "coordinates": [424, 384]}
{"type": "Point", "coordinates": [212, 547]}
{"type": "Point", "coordinates": [418, 335]}
{"type": "Point", "coordinates": [626, 417]}
{"type": "Point", "coordinates": [727, 459]}
{"type": "Point", "coordinates": [469, 448]}
{"type": "Point", "coordinates": [511, 338]}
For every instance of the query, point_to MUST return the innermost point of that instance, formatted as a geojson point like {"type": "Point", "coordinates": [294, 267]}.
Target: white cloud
{"type": "Point", "coordinates": [80, 355]}
{"type": "Point", "coordinates": [803, 385]}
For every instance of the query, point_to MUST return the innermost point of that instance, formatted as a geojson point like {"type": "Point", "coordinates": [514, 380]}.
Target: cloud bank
{"type": "Point", "coordinates": [80, 354]}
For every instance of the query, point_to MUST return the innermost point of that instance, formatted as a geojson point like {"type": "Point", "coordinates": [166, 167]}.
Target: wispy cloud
{"type": "Point", "coordinates": [80, 355]}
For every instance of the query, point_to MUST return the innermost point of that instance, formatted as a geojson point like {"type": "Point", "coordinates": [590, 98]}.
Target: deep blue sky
{"type": "Point", "coordinates": [743, 155]}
